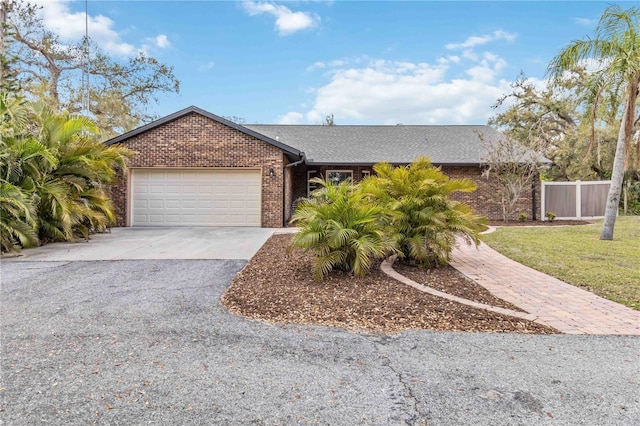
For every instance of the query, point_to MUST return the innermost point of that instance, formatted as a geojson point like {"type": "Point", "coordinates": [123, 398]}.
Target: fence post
{"type": "Point", "coordinates": [543, 204]}
{"type": "Point", "coordinates": [579, 199]}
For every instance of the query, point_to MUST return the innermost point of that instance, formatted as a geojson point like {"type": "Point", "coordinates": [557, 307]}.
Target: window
{"type": "Point", "coordinates": [337, 176]}
{"type": "Point", "coordinates": [365, 174]}
{"type": "Point", "coordinates": [311, 186]}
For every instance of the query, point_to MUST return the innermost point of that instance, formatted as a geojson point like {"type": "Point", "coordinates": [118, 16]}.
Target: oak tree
{"type": "Point", "coordinates": [50, 71]}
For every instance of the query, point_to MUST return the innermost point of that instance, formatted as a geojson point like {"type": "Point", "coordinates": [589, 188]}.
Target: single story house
{"type": "Point", "coordinates": [194, 168]}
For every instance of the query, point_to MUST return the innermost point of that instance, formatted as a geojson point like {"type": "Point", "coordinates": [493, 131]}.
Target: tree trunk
{"type": "Point", "coordinates": [617, 176]}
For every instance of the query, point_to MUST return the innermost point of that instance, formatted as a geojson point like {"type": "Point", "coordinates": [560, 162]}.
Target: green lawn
{"type": "Point", "coordinates": [576, 255]}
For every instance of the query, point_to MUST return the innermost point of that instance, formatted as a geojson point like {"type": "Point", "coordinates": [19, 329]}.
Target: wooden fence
{"type": "Point", "coordinates": [575, 200]}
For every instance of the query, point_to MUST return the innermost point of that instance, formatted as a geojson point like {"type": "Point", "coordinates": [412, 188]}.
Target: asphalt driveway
{"type": "Point", "coordinates": [147, 342]}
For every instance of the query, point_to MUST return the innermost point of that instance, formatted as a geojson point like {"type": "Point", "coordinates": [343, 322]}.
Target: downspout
{"type": "Point", "coordinates": [302, 159]}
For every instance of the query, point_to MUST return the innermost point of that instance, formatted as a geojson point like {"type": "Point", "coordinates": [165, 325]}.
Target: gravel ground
{"type": "Point", "coordinates": [147, 342]}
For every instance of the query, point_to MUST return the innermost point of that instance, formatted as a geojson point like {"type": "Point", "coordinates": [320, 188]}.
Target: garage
{"type": "Point", "coordinates": [193, 168]}
{"type": "Point", "coordinates": [195, 197]}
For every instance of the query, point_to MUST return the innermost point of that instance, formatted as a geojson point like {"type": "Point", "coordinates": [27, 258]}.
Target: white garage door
{"type": "Point", "coordinates": [173, 197]}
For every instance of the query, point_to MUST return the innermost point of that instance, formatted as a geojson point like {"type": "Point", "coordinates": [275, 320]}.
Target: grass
{"type": "Point", "coordinates": [576, 255]}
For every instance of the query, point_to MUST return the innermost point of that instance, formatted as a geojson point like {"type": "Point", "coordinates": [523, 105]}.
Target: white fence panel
{"type": "Point", "coordinates": [575, 200]}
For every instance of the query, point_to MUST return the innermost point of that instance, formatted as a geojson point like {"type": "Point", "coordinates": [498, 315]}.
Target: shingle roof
{"type": "Point", "coordinates": [445, 145]}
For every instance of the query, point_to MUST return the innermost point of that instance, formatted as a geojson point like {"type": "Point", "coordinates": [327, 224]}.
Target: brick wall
{"type": "Point", "coordinates": [482, 200]}
{"type": "Point", "coordinates": [197, 141]}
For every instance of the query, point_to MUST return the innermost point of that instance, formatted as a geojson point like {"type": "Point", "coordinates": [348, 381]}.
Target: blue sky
{"type": "Point", "coordinates": [366, 62]}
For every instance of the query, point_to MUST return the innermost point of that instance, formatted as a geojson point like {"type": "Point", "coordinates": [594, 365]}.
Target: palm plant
{"type": "Point", "coordinates": [53, 175]}
{"type": "Point", "coordinates": [73, 197]}
{"type": "Point", "coordinates": [425, 218]}
{"type": "Point", "coordinates": [14, 114]}
{"type": "Point", "coordinates": [616, 47]}
{"type": "Point", "coordinates": [17, 218]}
{"type": "Point", "coordinates": [22, 162]}
{"type": "Point", "coordinates": [343, 228]}
{"type": "Point", "coordinates": [20, 156]}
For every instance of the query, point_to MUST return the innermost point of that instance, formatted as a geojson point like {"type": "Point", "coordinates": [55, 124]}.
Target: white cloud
{"type": "Point", "coordinates": [316, 66]}
{"type": "Point", "coordinates": [290, 118]}
{"type": "Point", "coordinates": [287, 21]}
{"type": "Point", "coordinates": [487, 69]}
{"type": "Point", "coordinates": [153, 43]}
{"type": "Point", "coordinates": [449, 59]}
{"type": "Point", "coordinates": [585, 21]}
{"type": "Point", "coordinates": [453, 90]}
{"type": "Point", "coordinates": [332, 64]}
{"type": "Point", "coordinates": [474, 41]}
{"type": "Point", "coordinates": [70, 26]}
{"type": "Point", "coordinates": [162, 41]}
{"type": "Point", "coordinates": [204, 67]}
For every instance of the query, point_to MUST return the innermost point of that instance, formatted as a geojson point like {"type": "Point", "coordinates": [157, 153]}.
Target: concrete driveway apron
{"type": "Point", "coordinates": [155, 243]}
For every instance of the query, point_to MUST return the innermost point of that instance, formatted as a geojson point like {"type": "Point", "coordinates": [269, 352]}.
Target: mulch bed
{"type": "Point", "coordinates": [278, 287]}
{"type": "Point", "coordinates": [449, 280]}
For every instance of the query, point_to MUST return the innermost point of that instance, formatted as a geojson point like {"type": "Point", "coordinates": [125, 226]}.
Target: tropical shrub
{"type": "Point", "coordinates": [19, 154]}
{"type": "Point", "coordinates": [425, 218]}
{"type": "Point", "coordinates": [403, 210]}
{"type": "Point", "coordinates": [53, 175]}
{"type": "Point", "coordinates": [17, 219]}
{"type": "Point", "coordinates": [343, 228]}
{"type": "Point", "coordinates": [73, 198]}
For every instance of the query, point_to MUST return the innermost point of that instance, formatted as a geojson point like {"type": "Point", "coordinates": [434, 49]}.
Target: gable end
{"type": "Point", "coordinates": [193, 109]}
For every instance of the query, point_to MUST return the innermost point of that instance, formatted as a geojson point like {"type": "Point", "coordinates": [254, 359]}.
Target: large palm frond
{"type": "Point", "coordinates": [17, 218]}
{"type": "Point", "coordinates": [343, 228]}
{"type": "Point", "coordinates": [425, 218]}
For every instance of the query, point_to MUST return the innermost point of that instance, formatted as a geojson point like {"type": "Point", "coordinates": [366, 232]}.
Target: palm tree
{"type": "Point", "coordinates": [425, 218]}
{"type": "Point", "coordinates": [617, 48]}
{"type": "Point", "coordinates": [343, 229]}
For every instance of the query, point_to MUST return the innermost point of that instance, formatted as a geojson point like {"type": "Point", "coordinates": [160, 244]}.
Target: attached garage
{"type": "Point", "coordinates": [193, 168]}
{"type": "Point", "coordinates": [195, 197]}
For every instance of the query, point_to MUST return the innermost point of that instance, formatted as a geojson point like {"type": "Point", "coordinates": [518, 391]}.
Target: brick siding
{"type": "Point", "coordinates": [197, 141]}
{"type": "Point", "coordinates": [482, 200]}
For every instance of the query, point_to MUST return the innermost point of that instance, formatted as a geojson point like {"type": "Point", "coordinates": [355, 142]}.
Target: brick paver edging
{"type": "Point", "coordinates": [387, 268]}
